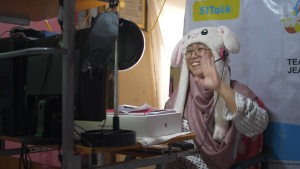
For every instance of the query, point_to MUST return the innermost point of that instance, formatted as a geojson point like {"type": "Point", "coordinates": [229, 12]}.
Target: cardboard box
{"type": "Point", "coordinates": [144, 126]}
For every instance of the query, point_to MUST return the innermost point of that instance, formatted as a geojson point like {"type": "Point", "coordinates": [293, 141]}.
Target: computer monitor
{"type": "Point", "coordinates": [43, 94]}
{"type": "Point", "coordinates": [43, 87]}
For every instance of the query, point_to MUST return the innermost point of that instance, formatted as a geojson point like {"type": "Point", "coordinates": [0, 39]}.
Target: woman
{"type": "Point", "coordinates": [218, 110]}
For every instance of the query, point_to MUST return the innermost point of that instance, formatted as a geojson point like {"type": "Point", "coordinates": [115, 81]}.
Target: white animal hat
{"type": "Point", "coordinates": [217, 39]}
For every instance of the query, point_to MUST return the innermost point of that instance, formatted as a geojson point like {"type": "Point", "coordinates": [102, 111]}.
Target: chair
{"type": "Point", "coordinates": [261, 158]}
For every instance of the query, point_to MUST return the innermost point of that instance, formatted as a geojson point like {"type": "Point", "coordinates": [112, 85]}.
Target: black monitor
{"type": "Point", "coordinates": [43, 94]}
{"type": "Point", "coordinates": [41, 87]}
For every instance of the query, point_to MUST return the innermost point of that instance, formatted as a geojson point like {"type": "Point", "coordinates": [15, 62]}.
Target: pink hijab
{"type": "Point", "coordinates": [198, 108]}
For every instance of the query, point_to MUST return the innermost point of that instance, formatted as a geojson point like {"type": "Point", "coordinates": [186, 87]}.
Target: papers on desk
{"type": "Point", "coordinates": [139, 111]}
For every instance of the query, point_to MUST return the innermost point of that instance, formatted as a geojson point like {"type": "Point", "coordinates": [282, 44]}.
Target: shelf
{"type": "Point", "coordinates": [88, 150]}
{"type": "Point", "coordinates": [37, 10]}
{"type": "Point", "coordinates": [32, 51]}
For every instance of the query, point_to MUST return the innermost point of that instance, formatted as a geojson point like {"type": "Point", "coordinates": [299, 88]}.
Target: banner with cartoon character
{"type": "Point", "coordinates": [268, 62]}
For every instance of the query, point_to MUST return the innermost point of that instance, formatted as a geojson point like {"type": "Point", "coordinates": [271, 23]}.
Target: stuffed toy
{"type": "Point", "coordinates": [221, 41]}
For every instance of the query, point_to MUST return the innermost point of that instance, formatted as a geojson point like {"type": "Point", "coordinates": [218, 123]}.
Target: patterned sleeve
{"type": "Point", "coordinates": [250, 119]}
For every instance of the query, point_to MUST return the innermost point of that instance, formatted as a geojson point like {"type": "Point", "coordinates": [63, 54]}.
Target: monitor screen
{"type": "Point", "coordinates": [44, 80]}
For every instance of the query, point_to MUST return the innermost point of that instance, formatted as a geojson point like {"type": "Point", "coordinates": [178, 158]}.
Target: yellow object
{"type": "Point", "coordinates": [216, 10]}
{"type": "Point", "coordinates": [86, 18]}
{"type": "Point", "coordinates": [156, 19]}
{"type": "Point", "coordinates": [48, 25]}
{"type": "Point", "coordinates": [297, 27]}
{"type": "Point", "coordinates": [294, 12]}
{"type": "Point", "coordinates": [122, 4]}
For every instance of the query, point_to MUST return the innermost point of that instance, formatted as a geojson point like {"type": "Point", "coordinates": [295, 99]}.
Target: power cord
{"type": "Point", "coordinates": [206, 128]}
{"type": "Point", "coordinates": [23, 157]}
{"type": "Point", "coordinates": [93, 147]}
{"type": "Point", "coordinates": [156, 19]}
{"type": "Point", "coordinates": [79, 127]}
{"type": "Point", "coordinates": [12, 129]}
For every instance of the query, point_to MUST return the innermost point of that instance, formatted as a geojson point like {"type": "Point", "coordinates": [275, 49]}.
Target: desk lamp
{"type": "Point", "coordinates": [129, 49]}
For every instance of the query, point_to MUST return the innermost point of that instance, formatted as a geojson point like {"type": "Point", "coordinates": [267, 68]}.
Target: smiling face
{"type": "Point", "coordinates": [194, 61]}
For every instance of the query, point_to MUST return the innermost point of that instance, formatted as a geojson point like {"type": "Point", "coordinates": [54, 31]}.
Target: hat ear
{"type": "Point", "coordinates": [176, 59]}
{"type": "Point", "coordinates": [230, 40]}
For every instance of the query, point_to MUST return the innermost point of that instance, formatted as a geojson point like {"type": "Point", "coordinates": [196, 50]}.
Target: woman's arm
{"type": "Point", "coordinates": [228, 95]}
{"type": "Point", "coordinates": [211, 80]}
{"type": "Point", "coordinates": [250, 119]}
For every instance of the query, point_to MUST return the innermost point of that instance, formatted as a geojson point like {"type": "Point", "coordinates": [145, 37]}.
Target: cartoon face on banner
{"type": "Point", "coordinates": [289, 27]}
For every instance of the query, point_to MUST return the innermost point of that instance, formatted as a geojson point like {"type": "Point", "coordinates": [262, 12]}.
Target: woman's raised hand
{"type": "Point", "coordinates": [210, 79]}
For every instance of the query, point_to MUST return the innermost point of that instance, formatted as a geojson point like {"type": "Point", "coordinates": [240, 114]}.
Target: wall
{"type": "Point", "coordinates": [136, 86]}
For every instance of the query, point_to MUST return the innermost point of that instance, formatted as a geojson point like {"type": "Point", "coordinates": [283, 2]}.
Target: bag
{"type": "Point", "coordinates": [100, 43]}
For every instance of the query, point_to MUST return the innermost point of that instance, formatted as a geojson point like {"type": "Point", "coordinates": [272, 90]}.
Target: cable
{"type": "Point", "coordinates": [3, 33]}
{"type": "Point", "coordinates": [30, 160]}
{"type": "Point", "coordinates": [84, 139]}
{"type": "Point", "coordinates": [12, 129]}
{"type": "Point", "coordinates": [48, 25]}
{"type": "Point", "coordinates": [79, 127]}
{"type": "Point", "coordinates": [100, 133]}
{"type": "Point", "coordinates": [40, 97]}
{"type": "Point", "coordinates": [212, 110]}
{"type": "Point", "coordinates": [59, 153]}
{"type": "Point", "coordinates": [16, 34]}
{"type": "Point", "coordinates": [93, 147]}
{"type": "Point", "coordinates": [46, 75]}
{"type": "Point", "coordinates": [21, 155]}
{"type": "Point", "coordinates": [156, 19]}
{"type": "Point", "coordinates": [86, 18]}
{"type": "Point", "coordinates": [32, 113]}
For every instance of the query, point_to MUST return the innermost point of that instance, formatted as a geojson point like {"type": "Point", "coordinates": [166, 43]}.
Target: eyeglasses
{"type": "Point", "coordinates": [188, 52]}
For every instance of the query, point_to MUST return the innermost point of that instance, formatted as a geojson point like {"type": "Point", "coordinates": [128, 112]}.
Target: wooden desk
{"type": "Point", "coordinates": [88, 150]}
{"type": "Point", "coordinates": [146, 158]}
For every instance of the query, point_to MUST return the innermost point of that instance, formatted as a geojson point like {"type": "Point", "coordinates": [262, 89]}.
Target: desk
{"type": "Point", "coordinates": [147, 159]}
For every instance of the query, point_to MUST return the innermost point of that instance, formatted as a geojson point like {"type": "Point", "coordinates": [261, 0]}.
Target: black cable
{"type": "Point", "coordinates": [20, 161]}
{"type": "Point", "coordinates": [30, 160]}
{"type": "Point", "coordinates": [84, 139]}
{"type": "Point", "coordinates": [46, 75]}
{"type": "Point", "coordinates": [93, 147]}
{"type": "Point", "coordinates": [100, 133]}
{"type": "Point", "coordinates": [25, 154]}
{"type": "Point", "coordinates": [59, 154]}
{"type": "Point", "coordinates": [206, 128]}
{"type": "Point", "coordinates": [3, 33]}
{"type": "Point", "coordinates": [79, 127]}
{"type": "Point", "coordinates": [22, 153]}
{"type": "Point", "coordinates": [33, 111]}
{"type": "Point", "coordinates": [12, 129]}
{"type": "Point", "coordinates": [32, 124]}
{"type": "Point", "coordinates": [40, 97]}
{"type": "Point", "coordinates": [22, 37]}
